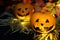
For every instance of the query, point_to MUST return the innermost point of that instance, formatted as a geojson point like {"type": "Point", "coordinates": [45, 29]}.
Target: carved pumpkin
{"type": "Point", "coordinates": [23, 12]}
{"type": "Point", "coordinates": [43, 22]}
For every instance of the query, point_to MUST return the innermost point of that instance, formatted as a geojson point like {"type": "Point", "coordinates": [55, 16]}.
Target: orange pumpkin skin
{"type": "Point", "coordinates": [42, 22]}
{"type": "Point", "coordinates": [23, 8]}
{"type": "Point", "coordinates": [23, 12]}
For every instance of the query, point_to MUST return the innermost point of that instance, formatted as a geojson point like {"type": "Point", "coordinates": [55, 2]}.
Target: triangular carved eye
{"type": "Point", "coordinates": [26, 8]}
{"type": "Point", "coordinates": [37, 20]}
{"type": "Point", "coordinates": [19, 9]}
{"type": "Point", "coordinates": [47, 21]}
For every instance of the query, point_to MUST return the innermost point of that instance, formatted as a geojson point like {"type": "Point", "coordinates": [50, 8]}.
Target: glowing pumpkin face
{"type": "Point", "coordinates": [23, 12]}
{"type": "Point", "coordinates": [42, 22]}
{"type": "Point", "coordinates": [22, 9]}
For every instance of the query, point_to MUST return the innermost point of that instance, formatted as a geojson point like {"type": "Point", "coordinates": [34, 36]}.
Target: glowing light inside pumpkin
{"type": "Point", "coordinates": [24, 23]}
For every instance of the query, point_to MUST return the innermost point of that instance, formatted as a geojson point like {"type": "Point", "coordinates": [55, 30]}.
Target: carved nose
{"type": "Point", "coordinates": [22, 11]}
{"type": "Point", "coordinates": [41, 24]}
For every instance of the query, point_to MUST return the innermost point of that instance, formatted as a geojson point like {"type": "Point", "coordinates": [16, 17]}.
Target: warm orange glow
{"type": "Point", "coordinates": [42, 21]}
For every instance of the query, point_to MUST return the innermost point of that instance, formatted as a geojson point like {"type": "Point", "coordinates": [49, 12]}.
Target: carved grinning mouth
{"type": "Point", "coordinates": [20, 14]}
{"type": "Point", "coordinates": [37, 28]}
{"type": "Point", "coordinates": [23, 15]}
{"type": "Point", "coordinates": [27, 14]}
{"type": "Point", "coordinates": [50, 28]}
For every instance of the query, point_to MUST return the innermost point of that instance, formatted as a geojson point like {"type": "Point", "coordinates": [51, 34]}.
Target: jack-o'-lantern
{"type": "Point", "coordinates": [23, 12]}
{"type": "Point", "coordinates": [23, 9]}
{"type": "Point", "coordinates": [42, 22]}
